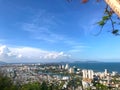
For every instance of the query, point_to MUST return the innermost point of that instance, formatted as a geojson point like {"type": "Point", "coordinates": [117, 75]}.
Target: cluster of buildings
{"type": "Point", "coordinates": [25, 73]}
{"type": "Point", "coordinates": [60, 74]}
{"type": "Point", "coordinates": [110, 80]}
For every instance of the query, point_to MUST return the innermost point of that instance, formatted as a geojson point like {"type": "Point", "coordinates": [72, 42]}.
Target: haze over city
{"type": "Point", "coordinates": [52, 31]}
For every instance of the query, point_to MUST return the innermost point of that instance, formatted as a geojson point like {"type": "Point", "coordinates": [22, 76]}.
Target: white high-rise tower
{"type": "Point", "coordinates": [84, 73]}
{"type": "Point", "coordinates": [67, 66]}
{"type": "Point", "coordinates": [90, 74]}
{"type": "Point", "coordinates": [106, 72]}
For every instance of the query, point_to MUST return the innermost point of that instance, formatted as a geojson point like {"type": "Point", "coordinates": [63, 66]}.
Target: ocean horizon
{"type": "Point", "coordinates": [98, 66]}
{"type": "Point", "coordinates": [94, 65]}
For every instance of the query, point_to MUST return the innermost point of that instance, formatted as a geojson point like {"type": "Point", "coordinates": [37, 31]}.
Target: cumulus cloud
{"type": "Point", "coordinates": [4, 50]}
{"type": "Point", "coordinates": [26, 54]}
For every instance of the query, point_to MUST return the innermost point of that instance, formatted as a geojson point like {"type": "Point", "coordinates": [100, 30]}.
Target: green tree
{"type": "Point", "coordinates": [6, 83]}
{"type": "Point", "coordinates": [44, 86]}
{"type": "Point", "coordinates": [101, 87]}
{"type": "Point", "coordinates": [31, 86]}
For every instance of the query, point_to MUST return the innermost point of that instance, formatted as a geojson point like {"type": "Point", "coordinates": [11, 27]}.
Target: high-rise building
{"type": "Point", "coordinates": [90, 74]}
{"type": "Point", "coordinates": [60, 66]}
{"type": "Point", "coordinates": [71, 70]}
{"type": "Point", "coordinates": [63, 67]}
{"type": "Point", "coordinates": [106, 72]}
{"type": "Point", "coordinates": [84, 73]}
{"type": "Point", "coordinates": [67, 66]}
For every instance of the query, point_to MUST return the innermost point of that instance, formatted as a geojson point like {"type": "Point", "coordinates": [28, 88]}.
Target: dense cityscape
{"type": "Point", "coordinates": [60, 77]}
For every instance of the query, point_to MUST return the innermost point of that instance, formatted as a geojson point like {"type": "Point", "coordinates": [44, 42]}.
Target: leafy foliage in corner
{"type": "Point", "coordinates": [108, 17]}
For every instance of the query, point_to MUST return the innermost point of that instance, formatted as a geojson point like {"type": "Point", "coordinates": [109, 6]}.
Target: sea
{"type": "Point", "coordinates": [98, 67]}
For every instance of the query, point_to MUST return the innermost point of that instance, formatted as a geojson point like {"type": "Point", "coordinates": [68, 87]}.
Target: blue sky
{"type": "Point", "coordinates": [45, 30]}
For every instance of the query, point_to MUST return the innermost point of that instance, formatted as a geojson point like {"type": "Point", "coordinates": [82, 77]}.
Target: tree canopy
{"type": "Point", "coordinates": [6, 83]}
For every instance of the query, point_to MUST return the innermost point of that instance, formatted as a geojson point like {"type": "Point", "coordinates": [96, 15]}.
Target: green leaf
{"type": "Point", "coordinates": [105, 17]}
{"type": "Point", "coordinates": [115, 31]}
{"type": "Point", "coordinates": [101, 23]}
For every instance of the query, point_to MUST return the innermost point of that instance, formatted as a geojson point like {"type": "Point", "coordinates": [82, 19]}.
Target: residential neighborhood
{"type": "Point", "coordinates": [63, 76]}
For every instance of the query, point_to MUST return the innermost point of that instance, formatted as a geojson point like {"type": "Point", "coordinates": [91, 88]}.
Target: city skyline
{"type": "Point", "coordinates": [45, 31]}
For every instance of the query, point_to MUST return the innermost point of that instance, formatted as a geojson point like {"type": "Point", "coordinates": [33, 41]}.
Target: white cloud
{"type": "Point", "coordinates": [4, 50]}
{"type": "Point", "coordinates": [29, 54]}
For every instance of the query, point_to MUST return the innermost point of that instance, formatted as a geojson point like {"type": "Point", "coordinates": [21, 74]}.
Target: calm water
{"type": "Point", "coordinates": [98, 66]}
